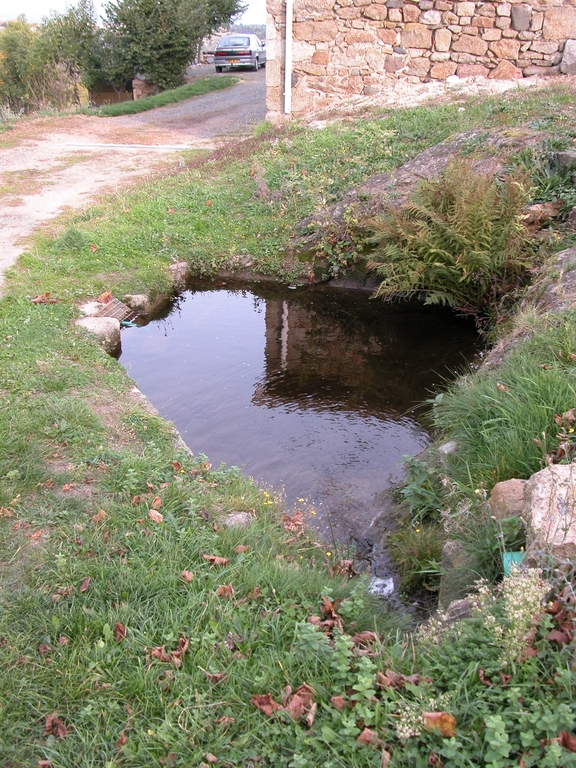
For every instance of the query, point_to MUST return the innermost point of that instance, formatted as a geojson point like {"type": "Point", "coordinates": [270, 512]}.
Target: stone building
{"type": "Point", "coordinates": [345, 47]}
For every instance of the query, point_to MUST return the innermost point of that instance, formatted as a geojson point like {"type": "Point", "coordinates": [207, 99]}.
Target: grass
{"type": "Point", "coordinates": [173, 96]}
{"type": "Point", "coordinates": [95, 606]}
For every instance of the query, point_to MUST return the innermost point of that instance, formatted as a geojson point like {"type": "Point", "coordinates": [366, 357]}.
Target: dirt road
{"type": "Point", "coordinates": [48, 165]}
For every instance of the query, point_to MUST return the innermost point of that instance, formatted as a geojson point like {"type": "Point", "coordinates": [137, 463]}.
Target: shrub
{"type": "Point", "coordinates": [459, 241]}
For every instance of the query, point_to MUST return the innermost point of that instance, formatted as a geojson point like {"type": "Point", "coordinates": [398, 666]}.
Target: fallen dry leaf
{"type": "Point", "coordinates": [254, 594]}
{"type": "Point", "coordinates": [265, 703]}
{"type": "Point", "coordinates": [567, 740]}
{"type": "Point", "coordinates": [368, 737]}
{"type": "Point", "coordinates": [210, 758]}
{"type": "Point", "coordinates": [440, 721]}
{"type": "Point", "coordinates": [55, 726]}
{"type": "Point", "coordinates": [187, 576]}
{"type": "Point", "coordinates": [68, 487]}
{"type": "Point", "coordinates": [364, 638]}
{"type": "Point", "coordinates": [171, 657]}
{"type": "Point", "coordinates": [99, 516]}
{"type": "Point", "coordinates": [177, 465]}
{"type": "Point", "coordinates": [121, 741]}
{"type": "Point", "coordinates": [156, 503]}
{"type": "Point", "coordinates": [156, 517]}
{"type": "Point", "coordinates": [294, 523]}
{"type": "Point", "coordinates": [215, 560]}
{"type": "Point", "coordinates": [44, 649]}
{"type": "Point", "coordinates": [241, 548]}
{"type": "Point", "coordinates": [149, 485]}
{"type": "Point", "coordinates": [225, 720]}
{"type": "Point", "coordinates": [106, 297]}
{"type": "Point", "coordinates": [339, 702]}
{"type": "Point", "coordinates": [386, 758]}
{"type": "Point", "coordinates": [502, 388]}
{"type": "Point", "coordinates": [85, 584]}
{"type": "Point", "coordinates": [558, 637]}
{"type": "Point", "coordinates": [301, 703]}
{"type": "Point", "coordinates": [216, 677]}
{"type": "Point", "coordinates": [44, 298]}
{"type": "Point", "coordinates": [225, 590]}
{"type": "Point", "coordinates": [119, 631]}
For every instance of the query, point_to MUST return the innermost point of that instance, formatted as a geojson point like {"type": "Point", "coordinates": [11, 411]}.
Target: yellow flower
{"type": "Point", "coordinates": [417, 530]}
{"type": "Point", "coordinates": [328, 554]}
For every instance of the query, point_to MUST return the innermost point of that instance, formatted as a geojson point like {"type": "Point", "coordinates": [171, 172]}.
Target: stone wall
{"type": "Point", "coordinates": [346, 47]}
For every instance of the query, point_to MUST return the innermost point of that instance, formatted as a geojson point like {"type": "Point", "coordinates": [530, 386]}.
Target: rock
{"type": "Point", "coordinates": [521, 17]}
{"type": "Point", "coordinates": [571, 220]}
{"type": "Point", "coordinates": [505, 49]}
{"type": "Point", "coordinates": [442, 40]}
{"type": "Point", "coordinates": [566, 161]}
{"type": "Point", "coordinates": [449, 448]}
{"type": "Point", "coordinates": [507, 499]}
{"type": "Point", "coordinates": [381, 587]}
{"type": "Point", "coordinates": [106, 330]}
{"type": "Point", "coordinates": [459, 609]}
{"type": "Point", "coordinates": [560, 293]}
{"type": "Point", "coordinates": [457, 573]}
{"type": "Point", "coordinates": [138, 302]}
{"type": "Point", "coordinates": [559, 23]}
{"type": "Point", "coordinates": [568, 63]}
{"type": "Point", "coordinates": [180, 273]}
{"type": "Point", "coordinates": [416, 35]}
{"type": "Point", "coordinates": [237, 520]}
{"type": "Point", "coordinates": [90, 308]}
{"type": "Point", "coordinates": [470, 44]}
{"type": "Point", "coordinates": [505, 71]}
{"type": "Point", "coordinates": [550, 512]}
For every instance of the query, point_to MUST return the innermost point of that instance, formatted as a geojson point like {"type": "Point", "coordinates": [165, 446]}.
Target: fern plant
{"type": "Point", "coordinates": [458, 241]}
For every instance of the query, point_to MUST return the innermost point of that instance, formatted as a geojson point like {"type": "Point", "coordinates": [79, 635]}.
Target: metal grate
{"type": "Point", "coordinates": [117, 309]}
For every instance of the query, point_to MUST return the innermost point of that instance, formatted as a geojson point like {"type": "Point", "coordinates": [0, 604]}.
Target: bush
{"type": "Point", "coordinates": [459, 241]}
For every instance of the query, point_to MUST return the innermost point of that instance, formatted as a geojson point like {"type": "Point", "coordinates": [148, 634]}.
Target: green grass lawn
{"type": "Point", "coordinates": [173, 96]}
{"type": "Point", "coordinates": [136, 628]}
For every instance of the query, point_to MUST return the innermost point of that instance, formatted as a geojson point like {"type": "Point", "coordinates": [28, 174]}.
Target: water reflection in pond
{"type": "Point", "coordinates": [313, 390]}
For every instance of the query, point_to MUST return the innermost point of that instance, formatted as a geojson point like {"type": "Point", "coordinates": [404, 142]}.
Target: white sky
{"type": "Point", "coordinates": [35, 10]}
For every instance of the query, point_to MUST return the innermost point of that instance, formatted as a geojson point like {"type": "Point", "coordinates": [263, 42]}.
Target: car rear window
{"type": "Point", "coordinates": [233, 41]}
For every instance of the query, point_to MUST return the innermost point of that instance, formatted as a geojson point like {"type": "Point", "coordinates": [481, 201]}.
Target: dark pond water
{"type": "Point", "coordinates": [313, 390]}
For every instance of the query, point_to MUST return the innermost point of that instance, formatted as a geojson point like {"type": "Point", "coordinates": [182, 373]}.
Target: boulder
{"type": "Point", "coordinates": [568, 63]}
{"type": "Point", "coordinates": [457, 573]}
{"type": "Point", "coordinates": [550, 512]}
{"type": "Point", "coordinates": [106, 330]}
{"type": "Point", "coordinates": [138, 302]}
{"type": "Point", "coordinates": [505, 71]}
{"type": "Point", "coordinates": [237, 520]}
{"type": "Point", "coordinates": [507, 499]}
{"type": "Point", "coordinates": [180, 272]}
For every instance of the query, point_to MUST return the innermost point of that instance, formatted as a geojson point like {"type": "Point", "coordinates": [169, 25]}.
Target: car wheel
{"type": "Point", "coordinates": [218, 69]}
{"type": "Point", "coordinates": [257, 64]}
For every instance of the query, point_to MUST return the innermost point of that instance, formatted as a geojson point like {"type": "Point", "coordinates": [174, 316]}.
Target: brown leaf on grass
{"type": "Point", "coordinates": [440, 721]}
{"type": "Point", "coordinates": [502, 388]}
{"type": "Point", "coordinates": [505, 678]}
{"type": "Point", "coordinates": [528, 653]}
{"type": "Point", "coordinates": [68, 487]}
{"type": "Point", "coordinates": [216, 677]}
{"type": "Point", "coordinates": [177, 465]}
{"type": "Point", "coordinates": [85, 584]}
{"type": "Point", "coordinates": [225, 590]}
{"type": "Point", "coordinates": [369, 737]}
{"type": "Point", "coordinates": [62, 640]}
{"type": "Point", "coordinates": [106, 297]}
{"type": "Point", "coordinates": [558, 637]}
{"type": "Point", "coordinates": [44, 298]}
{"type": "Point", "coordinates": [254, 594]}
{"type": "Point", "coordinates": [265, 703]}
{"type": "Point", "coordinates": [483, 679]}
{"type": "Point", "coordinates": [435, 760]}
{"type": "Point", "coordinates": [99, 516]}
{"type": "Point", "coordinates": [394, 680]}
{"type": "Point", "coordinates": [136, 500]}
{"type": "Point", "coordinates": [330, 607]}
{"type": "Point", "coordinates": [171, 657]}
{"type": "Point", "coordinates": [44, 649]}
{"type": "Point", "coordinates": [567, 740]}
{"type": "Point", "coordinates": [294, 523]}
{"type": "Point", "coordinates": [43, 763]}
{"type": "Point", "coordinates": [225, 720]}
{"type": "Point", "coordinates": [301, 703]}
{"type": "Point", "coordinates": [215, 560]}
{"type": "Point", "coordinates": [386, 758]}
{"type": "Point", "coordinates": [55, 726]}
{"type": "Point", "coordinates": [210, 758]}
{"type": "Point", "coordinates": [241, 548]}
{"type": "Point", "coordinates": [149, 485]}
{"type": "Point", "coordinates": [119, 631]}
{"type": "Point", "coordinates": [187, 576]}
{"type": "Point", "coordinates": [156, 517]}
{"type": "Point", "coordinates": [156, 503]}
{"type": "Point", "coordinates": [339, 702]}
{"type": "Point", "coordinates": [364, 638]}
{"type": "Point", "coordinates": [122, 740]}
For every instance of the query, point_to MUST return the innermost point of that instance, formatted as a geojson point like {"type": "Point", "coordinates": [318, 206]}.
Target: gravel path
{"type": "Point", "coordinates": [48, 165]}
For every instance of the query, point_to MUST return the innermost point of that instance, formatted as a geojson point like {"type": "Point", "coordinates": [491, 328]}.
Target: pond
{"type": "Point", "coordinates": [316, 391]}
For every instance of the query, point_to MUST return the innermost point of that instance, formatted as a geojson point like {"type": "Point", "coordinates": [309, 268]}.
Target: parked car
{"type": "Point", "coordinates": [240, 51]}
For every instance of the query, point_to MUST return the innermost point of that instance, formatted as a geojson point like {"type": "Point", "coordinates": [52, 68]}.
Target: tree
{"type": "Point", "coordinates": [158, 38]}
{"type": "Point", "coordinates": [16, 44]}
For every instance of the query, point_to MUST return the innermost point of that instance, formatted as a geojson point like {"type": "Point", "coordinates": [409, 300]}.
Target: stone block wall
{"type": "Point", "coordinates": [345, 47]}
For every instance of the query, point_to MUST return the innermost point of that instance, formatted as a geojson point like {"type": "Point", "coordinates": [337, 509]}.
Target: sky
{"type": "Point", "coordinates": [35, 10]}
